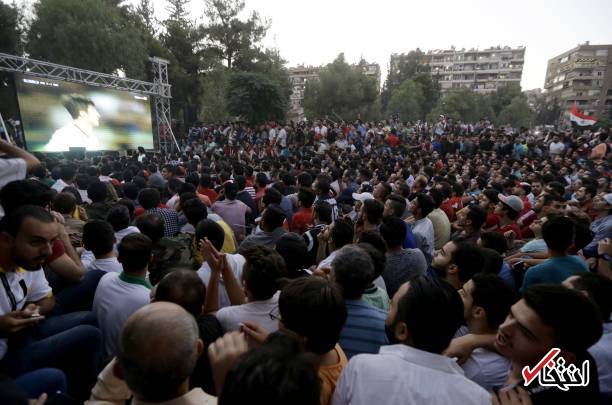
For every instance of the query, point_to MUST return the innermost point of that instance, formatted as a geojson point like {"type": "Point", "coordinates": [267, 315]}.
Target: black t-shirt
{"type": "Point", "coordinates": [210, 330]}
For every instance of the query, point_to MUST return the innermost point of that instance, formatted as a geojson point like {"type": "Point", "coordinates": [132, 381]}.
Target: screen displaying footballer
{"type": "Point", "coordinates": [57, 115]}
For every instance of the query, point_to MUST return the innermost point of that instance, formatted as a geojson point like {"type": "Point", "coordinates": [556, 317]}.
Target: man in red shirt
{"type": "Point", "coordinates": [303, 218]}
{"type": "Point", "coordinates": [508, 210]}
{"type": "Point", "coordinates": [205, 188]}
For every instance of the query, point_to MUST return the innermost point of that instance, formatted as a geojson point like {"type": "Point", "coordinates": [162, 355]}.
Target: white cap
{"type": "Point", "coordinates": [363, 196]}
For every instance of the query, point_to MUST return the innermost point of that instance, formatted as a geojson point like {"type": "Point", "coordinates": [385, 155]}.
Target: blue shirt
{"type": "Point", "coordinates": [409, 240]}
{"type": "Point", "coordinates": [554, 270]}
{"type": "Point", "coordinates": [364, 330]}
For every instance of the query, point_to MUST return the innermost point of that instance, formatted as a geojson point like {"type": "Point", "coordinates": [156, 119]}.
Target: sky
{"type": "Point", "coordinates": [314, 32]}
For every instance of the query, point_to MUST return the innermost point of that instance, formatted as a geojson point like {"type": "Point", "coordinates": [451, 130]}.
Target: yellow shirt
{"type": "Point", "coordinates": [229, 244]}
{"type": "Point", "coordinates": [330, 375]}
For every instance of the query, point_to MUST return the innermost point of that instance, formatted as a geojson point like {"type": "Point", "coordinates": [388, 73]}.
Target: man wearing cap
{"type": "Point", "coordinates": [508, 210]}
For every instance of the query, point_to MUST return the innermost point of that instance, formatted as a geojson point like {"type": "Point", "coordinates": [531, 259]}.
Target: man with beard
{"type": "Point", "coordinates": [545, 203]}
{"type": "Point", "coordinates": [67, 342]}
{"type": "Point", "coordinates": [424, 315]}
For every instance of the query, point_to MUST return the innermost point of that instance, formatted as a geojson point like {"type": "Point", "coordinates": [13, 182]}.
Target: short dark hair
{"type": "Point", "coordinates": [477, 215]}
{"type": "Point", "coordinates": [149, 198]}
{"type": "Point", "coordinates": [426, 204]}
{"type": "Point", "coordinates": [341, 233]}
{"type": "Point", "coordinates": [151, 225]}
{"type": "Point", "coordinates": [135, 252]}
{"type": "Point", "coordinates": [289, 376]}
{"type": "Point", "coordinates": [573, 317]}
{"type": "Point", "coordinates": [492, 195]}
{"type": "Point", "coordinates": [433, 311]}
{"type": "Point", "coordinates": [273, 216]}
{"type": "Point", "coordinates": [194, 210]}
{"type": "Point", "coordinates": [64, 203]}
{"type": "Point", "coordinates": [305, 179]}
{"type": "Point", "coordinates": [130, 190]}
{"type": "Point", "coordinates": [15, 193]}
{"type": "Point", "coordinates": [119, 217]}
{"type": "Point", "coordinates": [67, 172]}
{"type": "Point", "coordinates": [469, 259]}
{"type": "Point", "coordinates": [75, 103]}
{"type": "Point", "coordinates": [313, 308]}
{"type": "Point", "coordinates": [271, 196]}
{"type": "Point", "coordinates": [184, 288]}
{"type": "Point", "coordinates": [207, 228]}
{"type": "Point", "coordinates": [373, 238]}
{"type": "Point", "coordinates": [494, 240]}
{"type": "Point", "coordinates": [294, 251]}
{"type": "Point", "coordinates": [398, 204]}
{"type": "Point", "coordinates": [493, 261]}
{"type": "Point", "coordinates": [97, 191]}
{"type": "Point", "coordinates": [11, 223]}
{"type": "Point", "coordinates": [373, 210]}
{"type": "Point", "coordinates": [324, 211]}
{"type": "Point", "coordinates": [378, 258]}
{"type": "Point", "coordinates": [99, 237]}
{"type": "Point", "coordinates": [494, 295]}
{"type": "Point", "coordinates": [306, 197]}
{"type": "Point", "coordinates": [230, 190]}
{"type": "Point", "coordinates": [353, 271]}
{"type": "Point", "coordinates": [262, 269]}
{"type": "Point", "coordinates": [393, 230]}
{"type": "Point", "coordinates": [599, 289]}
{"type": "Point", "coordinates": [559, 233]}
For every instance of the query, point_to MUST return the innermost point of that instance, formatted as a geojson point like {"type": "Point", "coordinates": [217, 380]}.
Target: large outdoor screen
{"type": "Point", "coordinates": [57, 115]}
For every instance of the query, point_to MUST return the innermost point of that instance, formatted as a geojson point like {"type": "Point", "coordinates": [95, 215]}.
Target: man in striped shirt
{"type": "Point", "coordinates": [364, 330]}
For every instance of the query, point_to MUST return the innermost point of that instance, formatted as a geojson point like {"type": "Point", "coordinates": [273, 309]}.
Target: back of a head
{"type": "Point", "coordinates": [149, 198]}
{"type": "Point", "coordinates": [273, 217]}
{"type": "Point", "coordinates": [493, 261]}
{"type": "Point", "coordinates": [99, 237]}
{"type": "Point", "coordinates": [494, 240]}
{"type": "Point", "coordinates": [278, 372]}
{"type": "Point", "coordinates": [323, 210]}
{"type": "Point", "coordinates": [130, 190]}
{"type": "Point", "coordinates": [97, 191]}
{"type": "Point", "coordinates": [207, 228]}
{"type": "Point", "coordinates": [398, 204]}
{"type": "Point", "coordinates": [469, 259]}
{"type": "Point", "coordinates": [64, 203]}
{"type": "Point", "coordinates": [230, 190]}
{"type": "Point", "coordinates": [119, 217]}
{"type": "Point", "coordinates": [194, 210]}
{"type": "Point", "coordinates": [573, 317]}
{"type": "Point", "coordinates": [342, 233]}
{"type": "Point", "coordinates": [294, 251]}
{"type": "Point", "coordinates": [306, 197]}
{"type": "Point", "coordinates": [313, 308]}
{"type": "Point", "coordinates": [433, 311]}
{"type": "Point", "coordinates": [157, 351]}
{"type": "Point", "coordinates": [135, 252]}
{"type": "Point", "coordinates": [262, 269]}
{"type": "Point", "coordinates": [494, 295]}
{"type": "Point", "coordinates": [353, 271]}
{"type": "Point", "coordinates": [426, 203]}
{"type": "Point", "coordinates": [151, 225]}
{"type": "Point", "coordinates": [272, 196]}
{"type": "Point", "coordinates": [373, 210]}
{"type": "Point", "coordinates": [378, 258]}
{"type": "Point", "coordinates": [67, 172]}
{"type": "Point", "coordinates": [477, 215]}
{"type": "Point", "coordinates": [14, 194]}
{"type": "Point", "coordinates": [393, 230]}
{"type": "Point", "coordinates": [599, 290]}
{"type": "Point", "coordinates": [184, 288]}
{"type": "Point", "coordinates": [559, 233]}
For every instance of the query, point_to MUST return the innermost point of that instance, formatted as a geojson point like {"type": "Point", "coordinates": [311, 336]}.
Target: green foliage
{"type": "Point", "coordinates": [546, 111]}
{"type": "Point", "coordinates": [213, 103]}
{"type": "Point", "coordinates": [517, 113]}
{"type": "Point", "coordinates": [504, 95]}
{"type": "Point", "coordinates": [404, 66]}
{"type": "Point", "coordinates": [342, 92]}
{"type": "Point", "coordinates": [10, 30]}
{"type": "Point", "coordinates": [462, 104]}
{"type": "Point", "coordinates": [90, 34]}
{"type": "Point", "coordinates": [407, 101]}
{"type": "Point", "coordinates": [255, 98]}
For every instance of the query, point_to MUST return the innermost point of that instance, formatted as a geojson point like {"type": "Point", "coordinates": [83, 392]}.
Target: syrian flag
{"type": "Point", "coordinates": [581, 119]}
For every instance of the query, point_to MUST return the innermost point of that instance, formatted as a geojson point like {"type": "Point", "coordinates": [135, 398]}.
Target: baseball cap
{"type": "Point", "coordinates": [363, 196]}
{"type": "Point", "coordinates": [511, 201]}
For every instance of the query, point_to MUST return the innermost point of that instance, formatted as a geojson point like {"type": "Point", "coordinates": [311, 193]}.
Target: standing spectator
{"type": "Point", "coordinates": [232, 211]}
{"type": "Point", "coordinates": [150, 200]}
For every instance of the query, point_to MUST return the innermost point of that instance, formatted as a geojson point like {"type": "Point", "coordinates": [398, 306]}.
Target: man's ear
{"type": "Point", "coordinates": [478, 312]}
{"type": "Point", "coordinates": [6, 240]}
{"type": "Point", "coordinates": [200, 347]}
{"type": "Point", "coordinates": [402, 333]}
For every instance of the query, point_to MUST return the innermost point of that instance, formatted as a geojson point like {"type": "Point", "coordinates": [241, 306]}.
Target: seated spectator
{"type": "Point", "coordinates": [232, 211]}
{"type": "Point", "coordinates": [486, 301]}
{"type": "Point", "coordinates": [119, 218]}
{"type": "Point", "coordinates": [302, 219]}
{"type": "Point", "coordinates": [66, 204]}
{"type": "Point", "coordinates": [98, 193]}
{"type": "Point", "coordinates": [364, 330]}
{"type": "Point", "coordinates": [508, 209]}
{"type": "Point", "coordinates": [425, 313]}
{"type": "Point", "coordinates": [99, 238]}
{"type": "Point", "coordinates": [457, 263]}
{"type": "Point", "coordinates": [401, 264]}
{"type": "Point", "coordinates": [262, 269]}
{"type": "Point", "coordinates": [292, 249]}
{"type": "Point", "coordinates": [271, 229]}
{"type": "Point", "coordinates": [559, 234]}
{"type": "Point", "coordinates": [149, 199]}
{"type": "Point", "coordinates": [120, 294]}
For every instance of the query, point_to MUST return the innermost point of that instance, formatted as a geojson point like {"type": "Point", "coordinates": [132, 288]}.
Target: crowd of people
{"type": "Point", "coordinates": [311, 263]}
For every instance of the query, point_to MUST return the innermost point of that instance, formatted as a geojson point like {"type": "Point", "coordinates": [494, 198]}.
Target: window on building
{"type": "Point", "coordinates": [564, 59]}
{"type": "Point", "coordinates": [601, 52]}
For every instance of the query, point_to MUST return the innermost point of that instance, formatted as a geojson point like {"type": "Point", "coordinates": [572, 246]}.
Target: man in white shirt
{"type": "Point", "coordinates": [423, 317]}
{"type": "Point", "coordinates": [67, 173]}
{"type": "Point", "coordinates": [556, 147]}
{"type": "Point", "coordinates": [119, 218]}
{"type": "Point", "coordinates": [120, 294]}
{"type": "Point", "coordinates": [209, 229]}
{"type": "Point", "coordinates": [80, 131]}
{"type": "Point", "coordinates": [263, 267]}
{"type": "Point", "coordinates": [18, 164]}
{"type": "Point", "coordinates": [99, 238]}
{"type": "Point", "coordinates": [486, 301]}
{"type": "Point", "coordinates": [421, 206]}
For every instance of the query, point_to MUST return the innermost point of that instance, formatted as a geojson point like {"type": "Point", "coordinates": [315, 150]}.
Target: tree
{"type": "Point", "coordinates": [517, 113]}
{"type": "Point", "coordinates": [407, 101]}
{"type": "Point", "coordinates": [462, 104]}
{"type": "Point", "coordinates": [342, 91]}
{"type": "Point", "coordinates": [146, 12]}
{"type": "Point", "coordinates": [403, 67]}
{"type": "Point", "coordinates": [547, 111]}
{"type": "Point", "coordinates": [255, 97]}
{"type": "Point", "coordinates": [90, 34]}
{"type": "Point", "coordinates": [229, 36]}
{"type": "Point", "coordinates": [502, 97]}
{"type": "Point", "coordinates": [10, 30]}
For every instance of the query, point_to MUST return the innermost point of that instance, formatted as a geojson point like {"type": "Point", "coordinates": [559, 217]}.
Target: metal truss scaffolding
{"type": "Point", "coordinates": [159, 90]}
